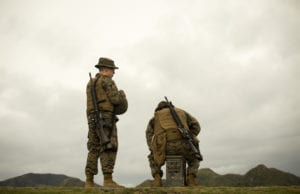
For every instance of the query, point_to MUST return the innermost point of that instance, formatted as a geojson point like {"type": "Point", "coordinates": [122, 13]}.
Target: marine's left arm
{"type": "Point", "coordinates": [193, 124]}
{"type": "Point", "coordinates": [112, 91]}
{"type": "Point", "coordinates": [150, 132]}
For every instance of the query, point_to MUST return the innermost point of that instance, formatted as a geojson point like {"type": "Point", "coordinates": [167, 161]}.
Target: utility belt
{"type": "Point", "coordinates": [108, 118]}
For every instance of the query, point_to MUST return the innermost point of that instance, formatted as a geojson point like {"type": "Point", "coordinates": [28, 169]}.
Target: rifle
{"type": "Point", "coordinates": [184, 133]}
{"type": "Point", "coordinates": [98, 118]}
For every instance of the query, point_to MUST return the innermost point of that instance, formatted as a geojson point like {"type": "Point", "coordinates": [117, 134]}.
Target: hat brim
{"type": "Point", "coordinates": [98, 66]}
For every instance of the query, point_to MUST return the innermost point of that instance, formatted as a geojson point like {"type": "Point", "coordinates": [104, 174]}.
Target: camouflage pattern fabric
{"type": "Point", "coordinates": [179, 147]}
{"type": "Point", "coordinates": [175, 147]}
{"type": "Point", "coordinates": [107, 157]}
{"type": "Point", "coordinates": [107, 92]}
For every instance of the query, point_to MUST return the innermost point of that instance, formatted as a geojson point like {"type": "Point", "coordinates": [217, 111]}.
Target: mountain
{"type": "Point", "coordinates": [208, 177]}
{"type": "Point", "coordinates": [264, 176]}
{"type": "Point", "coordinates": [146, 183]}
{"type": "Point", "coordinates": [258, 176]}
{"type": "Point", "coordinates": [42, 180]}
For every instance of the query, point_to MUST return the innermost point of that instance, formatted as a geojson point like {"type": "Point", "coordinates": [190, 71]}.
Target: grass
{"type": "Point", "coordinates": [148, 190]}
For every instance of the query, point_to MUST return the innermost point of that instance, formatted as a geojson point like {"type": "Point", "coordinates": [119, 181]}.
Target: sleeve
{"type": "Point", "coordinates": [193, 124]}
{"type": "Point", "coordinates": [111, 90]}
{"type": "Point", "coordinates": [150, 131]}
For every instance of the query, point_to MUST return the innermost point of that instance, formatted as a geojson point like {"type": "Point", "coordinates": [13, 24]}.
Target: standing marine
{"type": "Point", "coordinates": [104, 102]}
{"type": "Point", "coordinates": [164, 138]}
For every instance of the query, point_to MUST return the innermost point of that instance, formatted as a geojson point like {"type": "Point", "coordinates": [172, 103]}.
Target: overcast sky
{"type": "Point", "coordinates": [234, 65]}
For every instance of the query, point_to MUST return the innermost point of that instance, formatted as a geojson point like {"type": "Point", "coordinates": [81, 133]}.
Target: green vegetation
{"type": "Point", "coordinates": [258, 176]}
{"type": "Point", "coordinates": [42, 180]}
{"type": "Point", "coordinates": [148, 190]}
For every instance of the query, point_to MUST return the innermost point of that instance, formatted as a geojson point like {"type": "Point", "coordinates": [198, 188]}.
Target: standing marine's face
{"type": "Point", "coordinates": [108, 72]}
{"type": "Point", "coordinates": [111, 72]}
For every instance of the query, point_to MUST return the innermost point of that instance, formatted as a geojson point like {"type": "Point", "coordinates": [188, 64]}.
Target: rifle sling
{"type": "Point", "coordinates": [101, 101]}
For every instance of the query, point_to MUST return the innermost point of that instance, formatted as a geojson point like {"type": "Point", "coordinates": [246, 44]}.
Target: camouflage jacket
{"type": "Point", "coordinates": [192, 123]}
{"type": "Point", "coordinates": [107, 94]}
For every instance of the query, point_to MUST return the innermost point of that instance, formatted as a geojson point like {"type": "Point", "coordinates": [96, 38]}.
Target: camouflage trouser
{"type": "Point", "coordinates": [107, 157]}
{"type": "Point", "coordinates": [179, 147]}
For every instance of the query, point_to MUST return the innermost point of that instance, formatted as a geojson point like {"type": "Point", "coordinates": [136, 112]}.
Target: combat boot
{"type": "Point", "coordinates": [157, 181]}
{"type": "Point", "coordinates": [89, 181]}
{"type": "Point", "coordinates": [191, 182]}
{"type": "Point", "coordinates": [108, 182]}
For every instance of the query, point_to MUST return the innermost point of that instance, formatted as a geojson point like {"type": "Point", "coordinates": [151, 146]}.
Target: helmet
{"type": "Point", "coordinates": [161, 105]}
{"type": "Point", "coordinates": [123, 106]}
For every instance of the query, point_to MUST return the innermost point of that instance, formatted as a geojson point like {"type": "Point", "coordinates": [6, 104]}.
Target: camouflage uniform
{"type": "Point", "coordinates": [106, 87]}
{"type": "Point", "coordinates": [174, 144]}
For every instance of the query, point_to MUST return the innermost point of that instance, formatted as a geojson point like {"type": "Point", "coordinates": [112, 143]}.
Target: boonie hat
{"type": "Point", "coordinates": [106, 62]}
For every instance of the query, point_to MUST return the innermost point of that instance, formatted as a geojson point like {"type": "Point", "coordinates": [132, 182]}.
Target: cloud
{"type": "Point", "coordinates": [38, 124]}
{"type": "Point", "coordinates": [233, 65]}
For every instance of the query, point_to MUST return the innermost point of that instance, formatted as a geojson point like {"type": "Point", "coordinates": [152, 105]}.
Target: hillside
{"type": "Point", "coordinates": [152, 190]}
{"type": "Point", "coordinates": [258, 176]}
{"type": "Point", "coordinates": [263, 176]}
{"type": "Point", "coordinates": [41, 180]}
